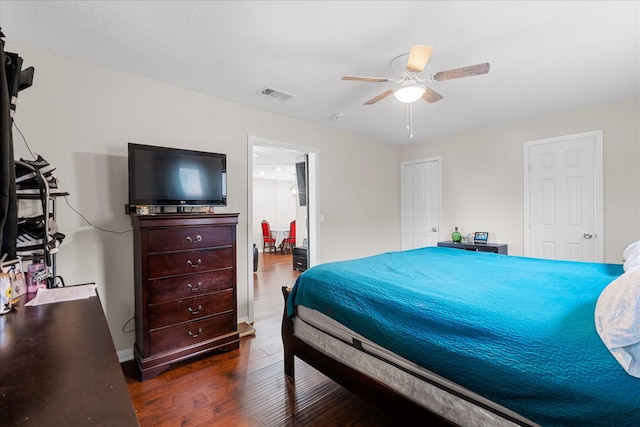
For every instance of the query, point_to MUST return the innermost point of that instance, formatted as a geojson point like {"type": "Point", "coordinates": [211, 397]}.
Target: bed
{"type": "Point", "coordinates": [463, 338]}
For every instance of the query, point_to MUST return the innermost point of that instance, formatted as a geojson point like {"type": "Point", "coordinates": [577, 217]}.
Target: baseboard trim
{"type": "Point", "coordinates": [245, 329]}
{"type": "Point", "coordinates": [125, 355]}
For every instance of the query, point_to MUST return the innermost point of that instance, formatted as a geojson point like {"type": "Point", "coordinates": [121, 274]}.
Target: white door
{"type": "Point", "coordinates": [563, 198]}
{"type": "Point", "coordinates": [420, 201]}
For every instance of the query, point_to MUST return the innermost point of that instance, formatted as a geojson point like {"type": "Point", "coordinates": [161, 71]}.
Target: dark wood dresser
{"type": "Point", "coordinates": [58, 367]}
{"type": "Point", "coordinates": [185, 287]}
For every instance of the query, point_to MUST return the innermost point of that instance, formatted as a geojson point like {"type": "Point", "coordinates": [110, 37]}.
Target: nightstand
{"type": "Point", "coordinates": [497, 248]}
{"type": "Point", "coordinates": [300, 258]}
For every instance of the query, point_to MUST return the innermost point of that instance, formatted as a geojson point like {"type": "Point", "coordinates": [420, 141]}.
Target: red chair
{"type": "Point", "coordinates": [290, 241]}
{"type": "Point", "coordinates": [267, 240]}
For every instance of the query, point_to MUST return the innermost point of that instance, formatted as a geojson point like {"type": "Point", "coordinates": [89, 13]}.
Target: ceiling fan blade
{"type": "Point", "coordinates": [431, 96]}
{"type": "Point", "coordinates": [379, 97]}
{"type": "Point", "coordinates": [418, 57]}
{"type": "Point", "coordinates": [456, 73]}
{"type": "Point", "coordinates": [366, 79]}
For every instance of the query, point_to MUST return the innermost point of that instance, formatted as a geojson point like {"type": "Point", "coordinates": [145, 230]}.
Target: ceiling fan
{"type": "Point", "coordinates": [411, 80]}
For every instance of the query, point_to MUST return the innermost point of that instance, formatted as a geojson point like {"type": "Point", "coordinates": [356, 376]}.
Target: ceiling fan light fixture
{"type": "Point", "coordinates": [409, 94]}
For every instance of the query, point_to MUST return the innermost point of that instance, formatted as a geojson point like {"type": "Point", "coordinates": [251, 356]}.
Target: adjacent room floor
{"type": "Point", "coordinates": [247, 387]}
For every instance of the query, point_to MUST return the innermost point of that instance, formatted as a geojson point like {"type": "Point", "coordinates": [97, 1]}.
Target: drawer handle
{"type": "Point", "coordinates": [198, 238]}
{"type": "Point", "coordinates": [192, 265]}
{"type": "Point", "coordinates": [192, 289]}
{"type": "Point", "coordinates": [192, 335]}
{"type": "Point", "coordinates": [195, 312]}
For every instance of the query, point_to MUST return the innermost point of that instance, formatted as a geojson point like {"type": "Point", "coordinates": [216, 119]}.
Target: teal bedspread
{"type": "Point", "coordinates": [519, 331]}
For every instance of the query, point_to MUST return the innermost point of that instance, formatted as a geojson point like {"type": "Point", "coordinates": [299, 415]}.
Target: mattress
{"type": "Point", "coordinates": [518, 331]}
{"type": "Point", "coordinates": [449, 400]}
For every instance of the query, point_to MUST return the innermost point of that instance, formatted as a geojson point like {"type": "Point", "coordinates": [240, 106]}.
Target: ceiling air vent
{"type": "Point", "coordinates": [275, 93]}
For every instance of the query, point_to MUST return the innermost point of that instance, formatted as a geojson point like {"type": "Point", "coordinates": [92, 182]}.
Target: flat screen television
{"type": "Point", "coordinates": [161, 176]}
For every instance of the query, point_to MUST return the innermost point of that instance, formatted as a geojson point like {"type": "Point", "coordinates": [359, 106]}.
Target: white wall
{"type": "Point", "coordinates": [272, 201]}
{"type": "Point", "coordinates": [482, 173]}
{"type": "Point", "coordinates": [301, 224]}
{"type": "Point", "coordinates": [80, 118]}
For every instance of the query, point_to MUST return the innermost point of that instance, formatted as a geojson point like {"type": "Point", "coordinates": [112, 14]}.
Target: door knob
{"type": "Point", "coordinates": [434, 229]}
{"type": "Point", "coordinates": [587, 235]}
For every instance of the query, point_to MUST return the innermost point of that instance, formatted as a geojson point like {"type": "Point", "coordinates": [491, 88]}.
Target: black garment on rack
{"type": "Point", "coordinates": [8, 200]}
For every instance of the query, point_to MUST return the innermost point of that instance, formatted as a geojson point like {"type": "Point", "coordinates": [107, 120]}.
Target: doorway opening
{"type": "Point", "coordinates": [275, 162]}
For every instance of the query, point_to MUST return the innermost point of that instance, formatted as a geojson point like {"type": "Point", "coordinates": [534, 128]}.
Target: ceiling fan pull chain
{"type": "Point", "coordinates": [411, 120]}
{"type": "Point", "coordinates": [409, 126]}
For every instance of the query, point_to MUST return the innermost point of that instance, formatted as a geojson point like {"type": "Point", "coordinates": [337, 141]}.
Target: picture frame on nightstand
{"type": "Point", "coordinates": [17, 276]}
{"type": "Point", "coordinates": [480, 237]}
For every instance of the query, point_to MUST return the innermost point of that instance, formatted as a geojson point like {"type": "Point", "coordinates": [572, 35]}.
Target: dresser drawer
{"type": "Point", "coordinates": [187, 334]}
{"type": "Point", "coordinates": [184, 310]}
{"type": "Point", "coordinates": [189, 262]}
{"type": "Point", "coordinates": [185, 238]}
{"type": "Point", "coordinates": [191, 285]}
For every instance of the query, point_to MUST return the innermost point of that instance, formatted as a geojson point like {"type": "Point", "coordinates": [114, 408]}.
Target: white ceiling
{"type": "Point", "coordinates": [545, 56]}
{"type": "Point", "coordinates": [275, 163]}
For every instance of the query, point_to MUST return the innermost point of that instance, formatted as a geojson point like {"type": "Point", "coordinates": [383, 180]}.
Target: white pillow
{"type": "Point", "coordinates": [631, 263]}
{"type": "Point", "coordinates": [617, 319]}
{"type": "Point", "coordinates": [631, 250]}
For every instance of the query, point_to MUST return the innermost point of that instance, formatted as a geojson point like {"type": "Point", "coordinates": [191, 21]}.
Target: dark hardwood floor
{"type": "Point", "coordinates": [247, 387]}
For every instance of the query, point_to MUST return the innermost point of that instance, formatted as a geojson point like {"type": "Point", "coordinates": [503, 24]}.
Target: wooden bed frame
{"type": "Point", "coordinates": [376, 393]}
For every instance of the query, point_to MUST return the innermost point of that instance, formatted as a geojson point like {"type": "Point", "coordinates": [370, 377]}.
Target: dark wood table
{"type": "Point", "coordinates": [58, 366]}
